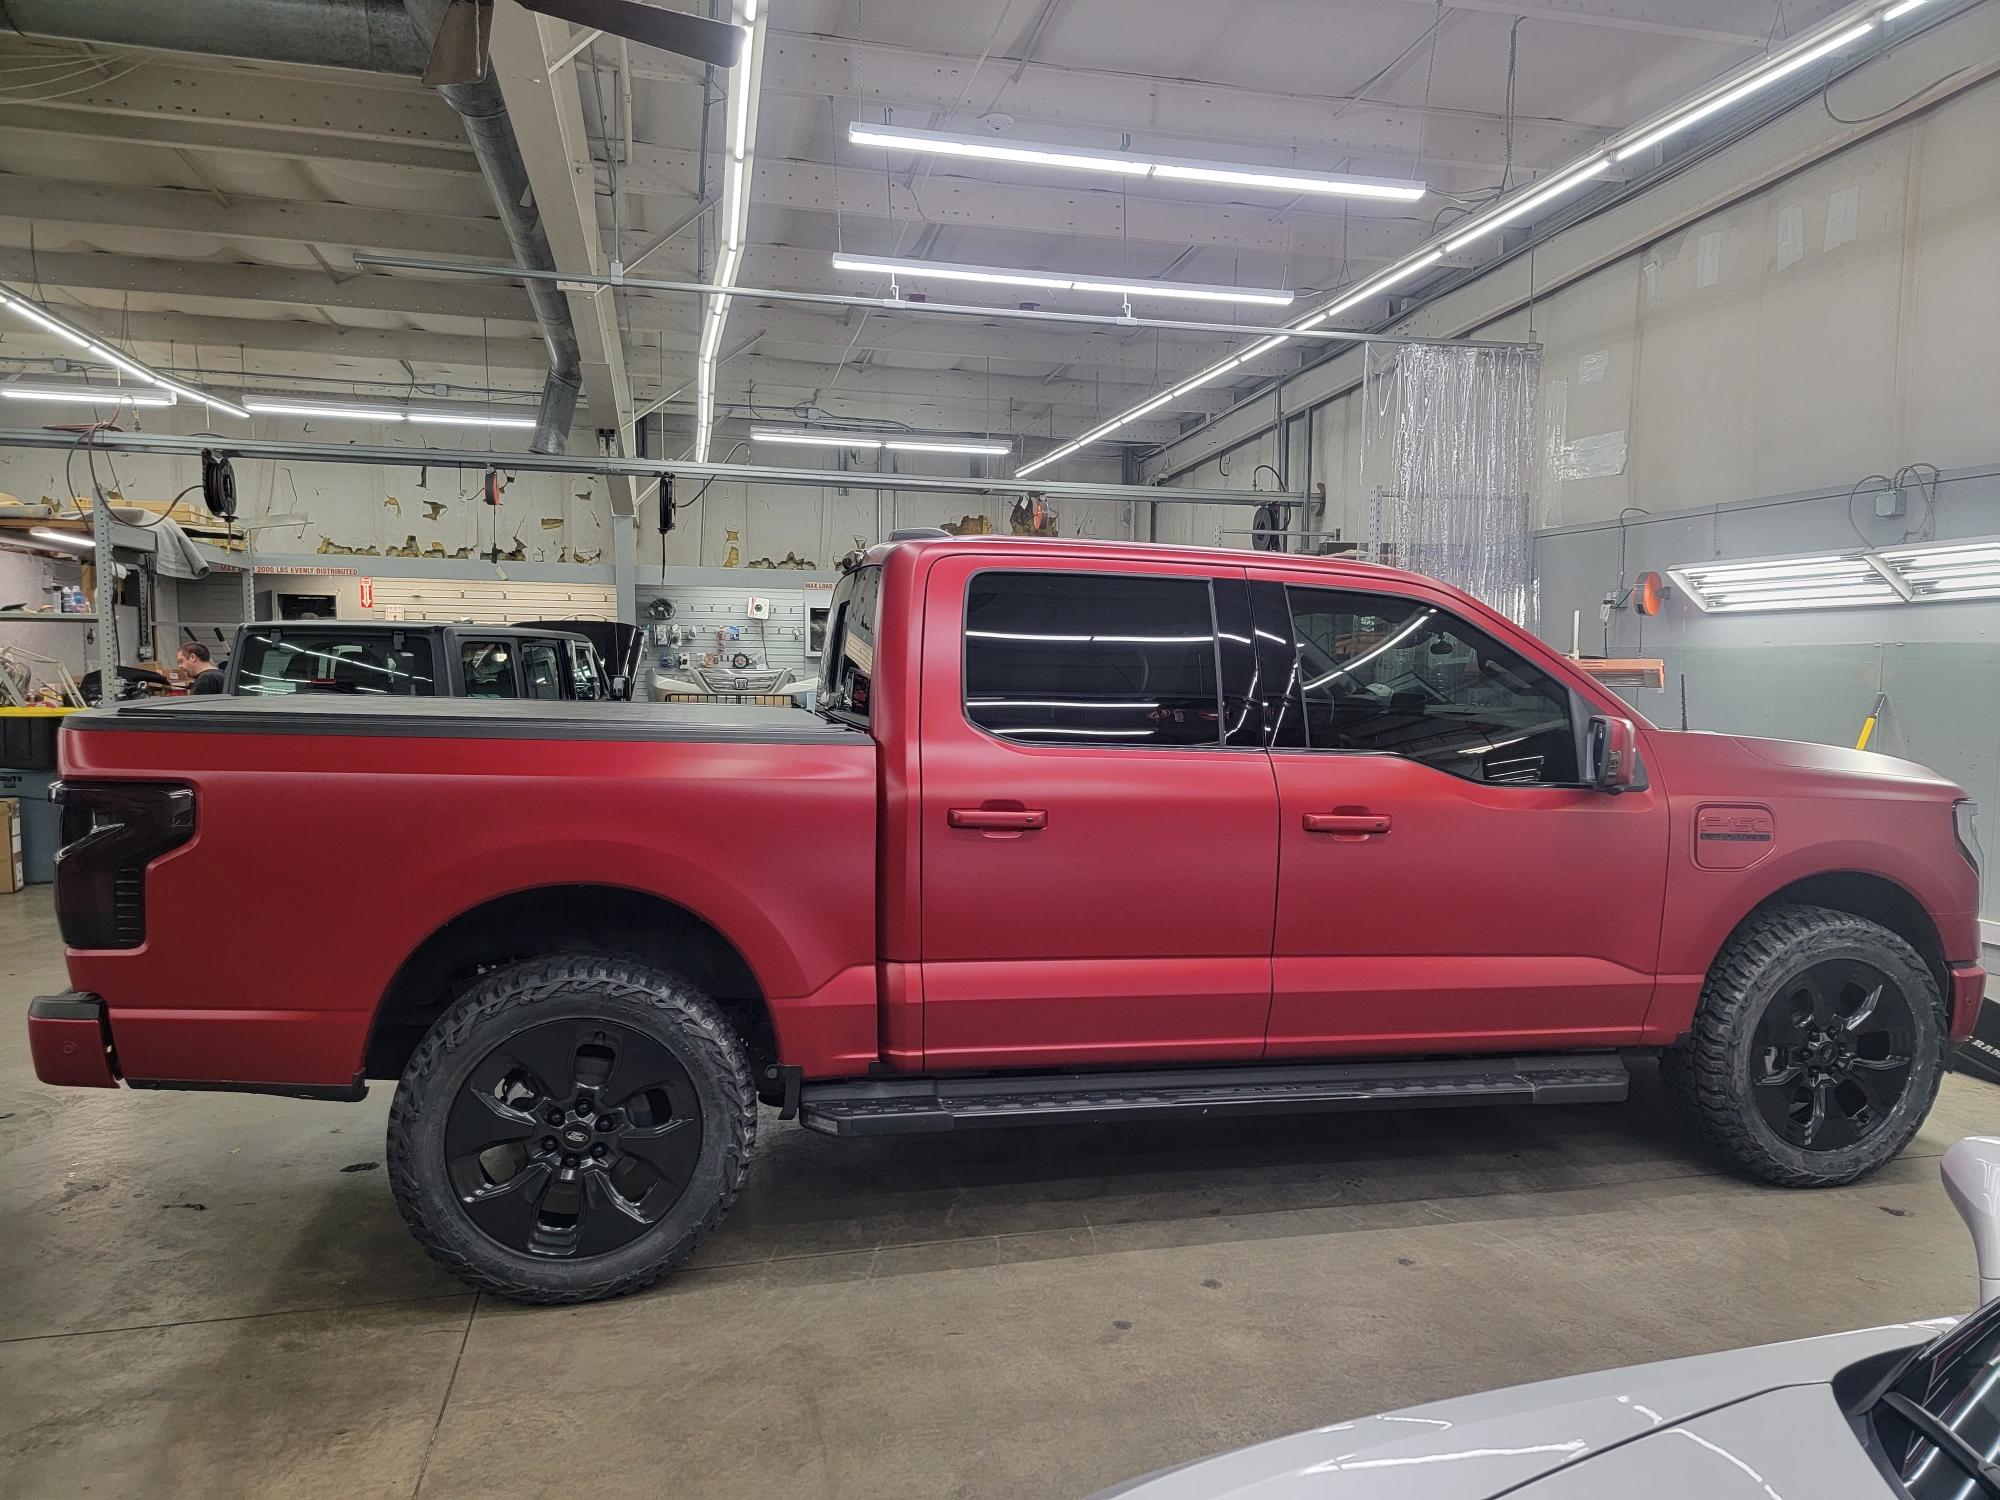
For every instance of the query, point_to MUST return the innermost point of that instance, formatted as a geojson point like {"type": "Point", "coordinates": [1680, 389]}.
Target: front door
{"type": "Point", "coordinates": [1447, 883]}
{"type": "Point", "coordinates": [1098, 864]}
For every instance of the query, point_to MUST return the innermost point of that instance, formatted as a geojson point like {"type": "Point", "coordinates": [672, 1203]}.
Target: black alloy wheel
{"type": "Point", "coordinates": [572, 1138]}
{"type": "Point", "coordinates": [572, 1127]}
{"type": "Point", "coordinates": [1832, 1055]}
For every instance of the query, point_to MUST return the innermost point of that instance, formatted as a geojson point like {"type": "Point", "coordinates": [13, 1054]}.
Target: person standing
{"type": "Point", "coordinates": [198, 669]}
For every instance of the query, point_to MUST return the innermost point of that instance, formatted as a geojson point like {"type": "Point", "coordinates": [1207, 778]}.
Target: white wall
{"type": "Point", "coordinates": [1841, 322]}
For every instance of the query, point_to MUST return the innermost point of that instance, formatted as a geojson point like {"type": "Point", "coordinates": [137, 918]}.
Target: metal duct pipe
{"type": "Point", "coordinates": [491, 131]}
{"type": "Point", "coordinates": [370, 36]}
{"type": "Point", "coordinates": [377, 36]}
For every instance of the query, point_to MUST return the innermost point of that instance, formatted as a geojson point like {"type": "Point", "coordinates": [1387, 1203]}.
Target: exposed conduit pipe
{"type": "Point", "coordinates": [378, 36]}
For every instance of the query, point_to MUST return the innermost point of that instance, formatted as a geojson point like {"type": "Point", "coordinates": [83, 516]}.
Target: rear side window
{"type": "Point", "coordinates": [1403, 677]}
{"type": "Point", "coordinates": [287, 661]}
{"type": "Point", "coordinates": [847, 675]}
{"type": "Point", "coordinates": [541, 673]}
{"type": "Point", "coordinates": [1091, 659]}
{"type": "Point", "coordinates": [488, 668]}
{"type": "Point", "coordinates": [588, 682]}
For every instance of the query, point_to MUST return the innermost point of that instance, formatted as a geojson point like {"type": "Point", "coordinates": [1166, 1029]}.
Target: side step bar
{"type": "Point", "coordinates": [915, 1105]}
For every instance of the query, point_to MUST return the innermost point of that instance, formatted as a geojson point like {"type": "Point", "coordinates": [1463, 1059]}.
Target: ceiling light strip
{"type": "Point", "coordinates": [1124, 164]}
{"type": "Point", "coordinates": [739, 163]}
{"type": "Point", "coordinates": [1186, 291]}
{"type": "Point", "coordinates": [93, 395]}
{"type": "Point", "coordinates": [39, 315]}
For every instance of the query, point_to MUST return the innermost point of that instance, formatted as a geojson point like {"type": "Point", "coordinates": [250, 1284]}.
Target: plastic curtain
{"type": "Point", "coordinates": [1449, 451]}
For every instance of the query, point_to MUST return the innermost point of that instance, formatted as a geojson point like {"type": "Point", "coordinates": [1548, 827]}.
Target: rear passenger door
{"type": "Point", "coordinates": [1098, 859]}
{"type": "Point", "coordinates": [1447, 882]}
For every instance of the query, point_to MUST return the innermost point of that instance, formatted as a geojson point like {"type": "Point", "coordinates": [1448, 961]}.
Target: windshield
{"type": "Point", "coordinates": [1950, 1390]}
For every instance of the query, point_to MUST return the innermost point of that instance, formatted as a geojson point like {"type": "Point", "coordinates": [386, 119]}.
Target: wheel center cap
{"type": "Point", "coordinates": [575, 1137]}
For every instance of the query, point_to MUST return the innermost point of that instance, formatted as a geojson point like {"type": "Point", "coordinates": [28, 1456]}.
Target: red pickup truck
{"type": "Point", "coordinates": [1080, 831]}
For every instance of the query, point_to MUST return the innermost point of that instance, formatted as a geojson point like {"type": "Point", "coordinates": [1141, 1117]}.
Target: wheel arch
{"type": "Point", "coordinates": [541, 920]}
{"type": "Point", "coordinates": [1874, 898]}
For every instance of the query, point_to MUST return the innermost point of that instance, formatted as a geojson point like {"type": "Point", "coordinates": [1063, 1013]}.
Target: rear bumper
{"type": "Point", "coordinates": [1968, 989]}
{"type": "Point", "coordinates": [69, 1037]}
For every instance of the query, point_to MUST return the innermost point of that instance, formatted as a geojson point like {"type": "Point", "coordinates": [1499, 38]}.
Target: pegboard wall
{"type": "Point", "coordinates": [494, 602]}
{"type": "Point", "coordinates": [777, 642]}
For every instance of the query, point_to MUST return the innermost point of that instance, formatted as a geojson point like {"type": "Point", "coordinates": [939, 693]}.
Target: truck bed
{"type": "Point", "coordinates": [336, 836]}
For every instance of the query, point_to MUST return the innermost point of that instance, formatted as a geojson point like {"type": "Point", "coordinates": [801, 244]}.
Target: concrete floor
{"type": "Point", "coordinates": [207, 1294]}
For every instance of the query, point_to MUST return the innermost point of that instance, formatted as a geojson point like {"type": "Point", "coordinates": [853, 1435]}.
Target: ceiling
{"type": "Point", "coordinates": [208, 211]}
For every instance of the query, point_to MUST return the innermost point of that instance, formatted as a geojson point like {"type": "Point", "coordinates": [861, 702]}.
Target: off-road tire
{"type": "Point", "coordinates": [1709, 1071]}
{"type": "Point", "coordinates": [663, 1006]}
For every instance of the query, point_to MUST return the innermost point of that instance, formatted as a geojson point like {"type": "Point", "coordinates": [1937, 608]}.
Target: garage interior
{"type": "Point", "coordinates": [1585, 307]}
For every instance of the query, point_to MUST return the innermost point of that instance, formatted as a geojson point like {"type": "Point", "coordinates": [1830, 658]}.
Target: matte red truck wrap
{"type": "Point", "coordinates": [1080, 830]}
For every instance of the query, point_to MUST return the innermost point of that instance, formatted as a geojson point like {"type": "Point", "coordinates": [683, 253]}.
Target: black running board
{"type": "Point", "coordinates": [916, 1105]}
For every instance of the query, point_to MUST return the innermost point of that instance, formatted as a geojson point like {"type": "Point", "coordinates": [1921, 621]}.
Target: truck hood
{"type": "Point", "coordinates": [1839, 760]}
{"type": "Point", "coordinates": [1476, 1447]}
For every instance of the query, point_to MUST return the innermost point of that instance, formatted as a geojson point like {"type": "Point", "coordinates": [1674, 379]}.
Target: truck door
{"type": "Point", "coordinates": [1447, 883]}
{"type": "Point", "coordinates": [1099, 859]}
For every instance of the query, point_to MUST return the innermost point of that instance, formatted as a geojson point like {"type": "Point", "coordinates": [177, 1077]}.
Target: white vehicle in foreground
{"type": "Point", "coordinates": [1907, 1412]}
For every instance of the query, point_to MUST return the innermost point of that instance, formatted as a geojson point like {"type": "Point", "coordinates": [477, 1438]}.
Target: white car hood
{"type": "Point", "coordinates": [1475, 1447]}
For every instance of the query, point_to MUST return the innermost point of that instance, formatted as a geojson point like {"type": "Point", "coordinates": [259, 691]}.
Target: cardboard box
{"type": "Point", "coordinates": [13, 872]}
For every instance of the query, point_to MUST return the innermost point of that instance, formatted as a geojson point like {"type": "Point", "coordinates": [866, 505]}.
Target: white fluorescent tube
{"type": "Point", "coordinates": [1084, 159]}
{"type": "Point", "coordinates": [337, 413]}
{"type": "Point", "coordinates": [1382, 283]}
{"type": "Point", "coordinates": [1265, 346]}
{"type": "Point", "coordinates": [95, 394]}
{"type": "Point", "coordinates": [1292, 182]}
{"type": "Point", "coordinates": [901, 138]}
{"type": "Point", "coordinates": [57, 326]}
{"type": "Point", "coordinates": [739, 108]}
{"type": "Point", "coordinates": [816, 439]}
{"type": "Point", "coordinates": [467, 419]}
{"type": "Point", "coordinates": [991, 448]}
{"type": "Point", "coordinates": [733, 196]}
{"type": "Point", "coordinates": [63, 538]}
{"type": "Point", "coordinates": [1047, 281]}
{"type": "Point", "coordinates": [1748, 87]}
{"type": "Point", "coordinates": [1901, 10]}
{"type": "Point", "coordinates": [1532, 201]}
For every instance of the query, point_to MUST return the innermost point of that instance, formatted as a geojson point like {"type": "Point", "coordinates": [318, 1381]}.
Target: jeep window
{"type": "Point", "coordinates": [541, 673]}
{"type": "Point", "coordinates": [324, 661]}
{"type": "Point", "coordinates": [847, 675]}
{"type": "Point", "coordinates": [1404, 677]}
{"type": "Point", "coordinates": [1107, 660]}
{"type": "Point", "coordinates": [585, 679]}
{"type": "Point", "coordinates": [489, 669]}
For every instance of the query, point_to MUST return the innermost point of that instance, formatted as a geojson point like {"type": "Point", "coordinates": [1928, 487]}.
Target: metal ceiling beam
{"type": "Point", "coordinates": [963, 387]}
{"type": "Point", "coordinates": [861, 198]}
{"type": "Point", "coordinates": [189, 212]}
{"type": "Point", "coordinates": [21, 123]}
{"type": "Point", "coordinates": [541, 463]}
{"type": "Point", "coordinates": [1611, 15]}
{"type": "Point", "coordinates": [548, 121]}
{"type": "Point", "coordinates": [881, 74]}
{"type": "Point", "coordinates": [230, 338]}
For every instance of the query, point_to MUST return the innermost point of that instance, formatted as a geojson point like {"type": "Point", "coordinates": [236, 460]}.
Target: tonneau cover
{"type": "Point", "coordinates": [465, 718]}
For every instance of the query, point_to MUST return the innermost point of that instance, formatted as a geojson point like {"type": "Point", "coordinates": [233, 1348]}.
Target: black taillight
{"type": "Point", "coordinates": [111, 830]}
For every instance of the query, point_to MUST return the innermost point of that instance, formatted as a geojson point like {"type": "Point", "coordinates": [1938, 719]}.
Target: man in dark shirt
{"type": "Point", "coordinates": [197, 669]}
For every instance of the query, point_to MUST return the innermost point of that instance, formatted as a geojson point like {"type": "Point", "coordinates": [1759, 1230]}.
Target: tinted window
{"type": "Point", "coordinates": [308, 661]}
{"type": "Point", "coordinates": [541, 673]}
{"type": "Point", "coordinates": [587, 682]}
{"type": "Point", "coordinates": [1956, 1380]}
{"type": "Point", "coordinates": [489, 669]}
{"type": "Point", "coordinates": [847, 680]}
{"type": "Point", "coordinates": [1082, 658]}
{"type": "Point", "coordinates": [1404, 677]}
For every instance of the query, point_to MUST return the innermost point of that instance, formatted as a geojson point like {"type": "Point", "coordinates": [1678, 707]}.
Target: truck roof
{"type": "Point", "coordinates": [1140, 552]}
{"type": "Point", "coordinates": [385, 627]}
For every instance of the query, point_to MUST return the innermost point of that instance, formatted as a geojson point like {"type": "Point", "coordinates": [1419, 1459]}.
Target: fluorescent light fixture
{"type": "Point", "coordinates": [467, 419]}
{"type": "Point", "coordinates": [333, 413]}
{"type": "Point", "coordinates": [1901, 10]}
{"type": "Point", "coordinates": [1531, 201]}
{"type": "Point", "coordinates": [62, 328]}
{"type": "Point", "coordinates": [816, 439]}
{"type": "Point", "coordinates": [95, 395]}
{"type": "Point", "coordinates": [1819, 581]}
{"type": "Point", "coordinates": [995, 450]}
{"type": "Point", "coordinates": [1780, 69]}
{"type": "Point", "coordinates": [1394, 276]}
{"type": "Point", "coordinates": [740, 137]}
{"type": "Point", "coordinates": [63, 538]}
{"type": "Point", "coordinates": [1186, 291]}
{"type": "Point", "coordinates": [1940, 571]}
{"type": "Point", "coordinates": [1123, 164]}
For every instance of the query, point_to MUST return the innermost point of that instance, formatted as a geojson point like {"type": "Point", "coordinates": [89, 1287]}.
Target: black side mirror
{"type": "Point", "coordinates": [621, 688]}
{"type": "Point", "coordinates": [1613, 749]}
